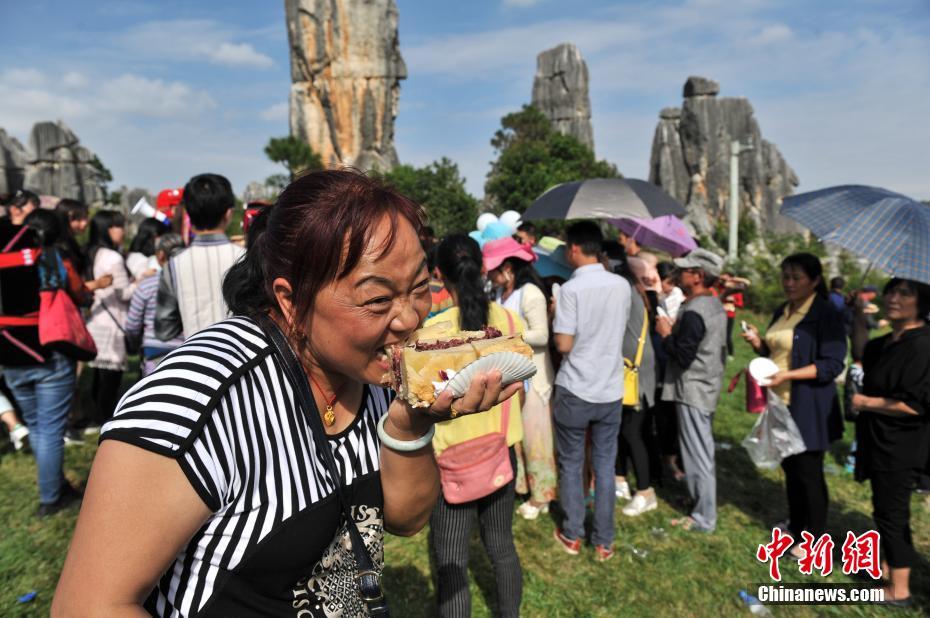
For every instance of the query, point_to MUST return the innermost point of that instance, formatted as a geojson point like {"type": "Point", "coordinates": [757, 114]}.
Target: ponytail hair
{"type": "Point", "coordinates": [459, 260]}
{"type": "Point", "coordinates": [244, 288]}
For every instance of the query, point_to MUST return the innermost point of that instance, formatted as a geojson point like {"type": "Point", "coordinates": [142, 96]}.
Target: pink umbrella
{"type": "Point", "coordinates": [666, 233]}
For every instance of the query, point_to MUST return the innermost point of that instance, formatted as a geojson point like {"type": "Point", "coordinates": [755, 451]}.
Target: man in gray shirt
{"type": "Point", "coordinates": [590, 318]}
{"type": "Point", "coordinates": [697, 349]}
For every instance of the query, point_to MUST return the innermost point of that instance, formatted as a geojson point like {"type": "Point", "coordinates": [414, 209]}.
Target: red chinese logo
{"type": "Point", "coordinates": [861, 553]}
{"type": "Point", "coordinates": [771, 552]}
{"type": "Point", "coordinates": [817, 555]}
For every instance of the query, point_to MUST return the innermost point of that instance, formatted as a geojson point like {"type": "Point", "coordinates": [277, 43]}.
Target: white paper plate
{"type": "Point", "coordinates": [513, 367]}
{"type": "Point", "coordinates": [762, 369]}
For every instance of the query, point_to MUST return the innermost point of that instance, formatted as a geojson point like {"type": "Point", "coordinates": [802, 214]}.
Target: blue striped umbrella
{"type": "Point", "coordinates": [888, 229]}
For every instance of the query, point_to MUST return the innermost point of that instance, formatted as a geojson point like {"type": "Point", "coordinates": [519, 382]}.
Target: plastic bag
{"type": "Point", "coordinates": [774, 436]}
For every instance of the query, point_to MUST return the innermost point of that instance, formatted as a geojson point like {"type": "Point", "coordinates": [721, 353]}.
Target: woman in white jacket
{"type": "Point", "coordinates": [519, 288]}
{"type": "Point", "coordinates": [108, 312]}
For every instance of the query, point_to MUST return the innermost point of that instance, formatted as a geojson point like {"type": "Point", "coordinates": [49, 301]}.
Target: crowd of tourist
{"type": "Point", "coordinates": [210, 489]}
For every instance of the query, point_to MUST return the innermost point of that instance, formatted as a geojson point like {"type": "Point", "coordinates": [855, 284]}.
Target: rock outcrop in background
{"type": "Point", "coordinates": [691, 160]}
{"type": "Point", "coordinates": [55, 164]}
{"type": "Point", "coordinates": [346, 69]}
{"type": "Point", "coordinates": [13, 160]}
{"type": "Point", "coordinates": [560, 91]}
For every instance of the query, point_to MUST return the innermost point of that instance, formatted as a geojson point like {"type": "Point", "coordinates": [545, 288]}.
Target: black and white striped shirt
{"type": "Point", "coordinates": [222, 407]}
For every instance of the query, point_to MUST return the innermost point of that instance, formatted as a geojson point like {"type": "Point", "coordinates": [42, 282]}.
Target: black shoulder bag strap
{"type": "Point", "coordinates": [369, 580]}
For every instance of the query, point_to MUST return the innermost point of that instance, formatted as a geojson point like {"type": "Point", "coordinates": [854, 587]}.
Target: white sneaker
{"type": "Point", "coordinates": [18, 436]}
{"type": "Point", "coordinates": [623, 491]}
{"type": "Point", "coordinates": [640, 504]}
{"type": "Point", "coordinates": [528, 511]}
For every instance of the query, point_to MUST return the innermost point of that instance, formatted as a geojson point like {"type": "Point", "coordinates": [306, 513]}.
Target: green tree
{"type": "Point", "coordinates": [276, 183]}
{"type": "Point", "coordinates": [295, 155]}
{"type": "Point", "coordinates": [441, 190]}
{"type": "Point", "coordinates": [106, 176]}
{"type": "Point", "coordinates": [532, 157]}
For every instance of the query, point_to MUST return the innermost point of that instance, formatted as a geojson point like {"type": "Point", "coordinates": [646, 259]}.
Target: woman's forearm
{"type": "Point", "coordinates": [886, 405]}
{"type": "Point", "coordinates": [808, 372]}
{"type": "Point", "coordinates": [409, 480]}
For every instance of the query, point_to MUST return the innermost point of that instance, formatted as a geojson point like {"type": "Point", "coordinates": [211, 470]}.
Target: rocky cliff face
{"type": "Point", "coordinates": [560, 91]}
{"type": "Point", "coordinates": [13, 159]}
{"type": "Point", "coordinates": [691, 153]}
{"type": "Point", "coordinates": [346, 69]}
{"type": "Point", "coordinates": [58, 165]}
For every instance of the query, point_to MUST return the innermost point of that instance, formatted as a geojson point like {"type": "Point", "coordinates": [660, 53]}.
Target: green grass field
{"type": "Point", "coordinates": [671, 573]}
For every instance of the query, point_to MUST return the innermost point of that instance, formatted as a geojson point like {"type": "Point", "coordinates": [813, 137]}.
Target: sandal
{"type": "Point", "coordinates": [685, 523]}
{"type": "Point", "coordinates": [688, 524]}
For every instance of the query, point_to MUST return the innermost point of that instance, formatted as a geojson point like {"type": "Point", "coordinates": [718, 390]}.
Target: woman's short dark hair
{"type": "Point", "coordinates": [149, 231]}
{"type": "Point", "coordinates": [459, 260]}
{"type": "Point", "coordinates": [810, 265]}
{"type": "Point", "coordinates": [314, 234]}
{"type": "Point", "coordinates": [921, 290]}
{"type": "Point", "coordinates": [100, 225]}
{"type": "Point", "coordinates": [207, 197]}
{"type": "Point", "coordinates": [586, 235]}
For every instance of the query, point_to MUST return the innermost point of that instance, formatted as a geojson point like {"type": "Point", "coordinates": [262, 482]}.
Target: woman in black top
{"type": "Point", "coordinates": [893, 430]}
{"type": "Point", "coordinates": [208, 495]}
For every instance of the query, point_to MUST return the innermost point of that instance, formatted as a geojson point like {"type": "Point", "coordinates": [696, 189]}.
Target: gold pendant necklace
{"type": "Point", "coordinates": [329, 417]}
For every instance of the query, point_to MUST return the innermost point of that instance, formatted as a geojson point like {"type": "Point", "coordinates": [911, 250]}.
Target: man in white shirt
{"type": "Point", "coordinates": [190, 292]}
{"type": "Point", "coordinates": [590, 319]}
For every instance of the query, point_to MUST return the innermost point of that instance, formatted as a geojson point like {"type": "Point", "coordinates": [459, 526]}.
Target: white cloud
{"type": "Point", "coordinates": [521, 3]}
{"type": "Point", "coordinates": [26, 77]}
{"type": "Point", "coordinates": [124, 97]}
{"type": "Point", "coordinates": [238, 54]}
{"type": "Point", "coordinates": [192, 40]}
{"type": "Point", "coordinates": [75, 80]}
{"type": "Point", "coordinates": [775, 33]}
{"type": "Point", "coordinates": [140, 96]}
{"type": "Point", "coordinates": [276, 112]}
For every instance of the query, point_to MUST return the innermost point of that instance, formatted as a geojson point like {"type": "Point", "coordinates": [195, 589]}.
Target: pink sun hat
{"type": "Point", "coordinates": [496, 251]}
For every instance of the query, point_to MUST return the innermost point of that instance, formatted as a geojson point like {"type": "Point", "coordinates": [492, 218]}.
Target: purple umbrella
{"type": "Point", "coordinates": [665, 233]}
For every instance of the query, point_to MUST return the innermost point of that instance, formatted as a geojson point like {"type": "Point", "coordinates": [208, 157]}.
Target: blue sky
{"type": "Point", "coordinates": [161, 90]}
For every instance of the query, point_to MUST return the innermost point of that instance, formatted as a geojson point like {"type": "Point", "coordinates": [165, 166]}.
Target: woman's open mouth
{"type": "Point", "coordinates": [384, 360]}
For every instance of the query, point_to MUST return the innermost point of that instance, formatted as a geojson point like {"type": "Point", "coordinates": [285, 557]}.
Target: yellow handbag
{"type": "Point", "coordinates": [631, 369]}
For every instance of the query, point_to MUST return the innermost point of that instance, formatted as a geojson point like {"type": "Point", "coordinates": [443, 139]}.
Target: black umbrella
{"type": "Point", "coordinates": [604, 198]}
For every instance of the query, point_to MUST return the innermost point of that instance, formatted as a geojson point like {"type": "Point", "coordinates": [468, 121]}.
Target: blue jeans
{"type": "Point", "coordinates": [44, 394]}
{"type": "Point", "coordinates": [572, 417]}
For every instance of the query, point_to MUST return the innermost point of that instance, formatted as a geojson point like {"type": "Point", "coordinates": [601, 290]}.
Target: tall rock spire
{"type": "Point", "coordinates": [690, 159]}
{"type": "Point", "coordinates": [346, 69]}
{"type": "Point", "coordinates": [560, 91]}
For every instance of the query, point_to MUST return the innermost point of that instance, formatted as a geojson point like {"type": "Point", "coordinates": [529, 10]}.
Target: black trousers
{"type": "Point", "coordinates": [891, 509]}
{"type": "Point", "coordinates": [807, 493]}
{"type": "Point", "coordinates": [105, 392]}
{"type": "Point", "coordinates": [666, 425]}
{"type": "Point", "coordinates": [631, 444]}
{"type": "Point", "coordinates": [450, 534]}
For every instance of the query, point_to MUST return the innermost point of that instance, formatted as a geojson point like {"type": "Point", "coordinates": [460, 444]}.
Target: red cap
{"type": "Point", "coordinates": [168, 199]}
